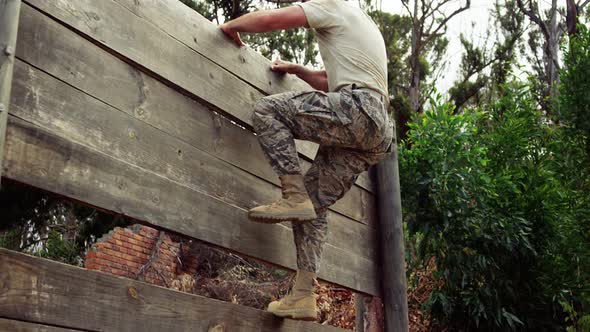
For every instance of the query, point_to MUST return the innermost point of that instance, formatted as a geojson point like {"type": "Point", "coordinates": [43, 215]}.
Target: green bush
{"type": "Point", "coordinates": [574, 101]}
{"type": "Point", "coordinates": [492, 194]}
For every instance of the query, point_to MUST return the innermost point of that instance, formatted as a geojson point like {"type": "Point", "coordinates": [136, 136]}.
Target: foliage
{"type": "Point", "coordinates": [574, 103]}
{"type": "Point", "coordinates": [489, 192]}
{"type": "Point", "coordinates": [484, 72]}
{"type": "Point", "coordinates": [60, 249]}
{"type": "Point", "coordinates": [45, 225]}
{"type": "Point", "coordinates": [574, 321]}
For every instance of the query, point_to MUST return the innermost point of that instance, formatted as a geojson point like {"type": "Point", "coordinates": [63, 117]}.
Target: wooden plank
{"type": "Point", "coordinates": [18, 326]}
{"type": "Point", "coordinates": [393, 273]}
{"type": "Point", "coordinates": [76, 61]}
{"type": "Point", "coordinates": [77, 117]}
{"type": "Point", "coordinates": [9, 17]}
{"type": "Point", "coordinates": [205, 38]}
{"type": "Point", "coordinates": [48, 292]}
{"type": "Point", "coordinates": [142, 43]}
{"type": "Point", "coordinates": [45, 160]}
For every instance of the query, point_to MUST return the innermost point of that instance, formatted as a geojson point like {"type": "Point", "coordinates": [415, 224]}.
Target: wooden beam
{"type": "Point", "coordinates": [79, 63]}
{"type": "Point", "coordinates": [393, 267]}
{"type": "Point", "coordinates": [47, 292]}
{"type": "Point", "coordinates": [9, 16]}
{"type": "Point", "coordinates": [143, 44]}
{"type": "Point", "coordinates": [43, 159]}
{"type": "Point", "coordinates": [18, 326]}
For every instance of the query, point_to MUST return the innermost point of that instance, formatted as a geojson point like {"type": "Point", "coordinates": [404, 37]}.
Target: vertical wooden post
{"type": "Point", "coordinates": [360, 310]}
{"type": "Point", "coordinates": [393, 268]}
{"type": "Point", "coordinates": [9, 15]}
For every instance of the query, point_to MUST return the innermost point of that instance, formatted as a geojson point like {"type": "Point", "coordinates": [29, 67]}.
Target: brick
{"type": "Point", "coordinates": [104, 257]}
{"type": "Point", "coordinates": [137, 248]}
{"type": "Point", "coordinates": [149, 232]}
{"type": "Point", "coordinates": [118, 236]}
{"type": "Point", "coordinates": [92, 266]}
{"type": "Point", "coordinates": [119, 272]}
{"type": "Point", "coordinates": [142, 256]}
{"type": "Point", "coordinates": [127, 245]}
{"type": "Point", "coordinates": [103, 245]}
{"type": "Point", "coordinates": [137, 237]}
{"type": "Point", "coordinates": [104, 269]}
{"type": "Point", "coordinates": [134, 265]}
{"type": "Point", "coordinates": [111, 252]}
{"type": "Point", "coordinates": [102, 262]}
{"type": "Point", "coordinates": [116, 265]}
{"type": "Point", "coordinates": [132, 258]}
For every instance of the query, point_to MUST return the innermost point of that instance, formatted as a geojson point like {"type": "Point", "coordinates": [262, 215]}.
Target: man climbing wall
{"type": "Point", "coordinates": [346, 115]}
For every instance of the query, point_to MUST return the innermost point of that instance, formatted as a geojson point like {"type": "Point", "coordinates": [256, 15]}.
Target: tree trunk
{"type": "Point", "coordinates": [553, 44]}
{"type": "Point", "coordinates": [415, 62]}
{"type": "Point", "coordinates": [572, 17]}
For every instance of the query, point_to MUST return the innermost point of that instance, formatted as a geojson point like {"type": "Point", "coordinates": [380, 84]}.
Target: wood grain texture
{"type": "Point", "coordinates": [8, 325]}
{"type": "Point", "coordinates": [69, 113]}
{"type": "Point", "coordinates": [84, 65]}
{"type": "Point", "coordinates": [204, 37]}
{"type": "Point", "coordinates": [9, 17]}
{"type": "Point", "coordinates": [44, 291]}
{"type": "Point", "coordinates": [144, 44]}
{"type": "Point", "coordinates": [43, 159]}
{"type": "Point", "coordinates": [391, 230]}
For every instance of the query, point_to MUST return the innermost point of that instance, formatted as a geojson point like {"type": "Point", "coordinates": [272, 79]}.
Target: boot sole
{"type": "Point", "coordinates": [305, 315]}
{"type": "Point", "coordinates": [277, 219]}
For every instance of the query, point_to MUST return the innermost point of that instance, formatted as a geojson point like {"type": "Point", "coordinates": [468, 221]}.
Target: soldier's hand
{"type": "Point", "coordinates": [284, 67]}
{"type": "Point", "coordinates": [232, 34]}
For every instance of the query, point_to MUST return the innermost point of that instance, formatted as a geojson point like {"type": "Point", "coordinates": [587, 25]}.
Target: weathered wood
{"type": "Point", "coordinates": [204, 37]}
{"type": "Point", "coordinates": [9, 17]}
{"type": "Point", "coordinates": [393, 266]}
{"type": "Point", "coordinates": [48, 292]}
{"type": "Point", "coordinates": [76, 61]}
{"type": "Point", "coordinates": [75, 116]}
{"type": "Point", "coordinates": [8, 325]}
{"type": "Point", "coordinates": [45, 160]}
{"type": "Point", "coordinates": [360, 311]}
{"type": "Point", "coordinates": [142, 43]}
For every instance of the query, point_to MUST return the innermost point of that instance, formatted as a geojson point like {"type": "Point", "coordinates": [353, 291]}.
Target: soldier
{"type": "Point", "coordinates": [346, 115]}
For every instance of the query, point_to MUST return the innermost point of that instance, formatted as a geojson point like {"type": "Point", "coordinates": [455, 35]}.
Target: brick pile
{"type": "Point", "coordinates": [140, 252]}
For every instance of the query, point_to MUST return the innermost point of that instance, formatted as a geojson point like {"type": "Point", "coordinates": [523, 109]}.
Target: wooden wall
{"type": "Point", "coordinates": [41, 295]}
{"type": "Point", "coordinates": [142, 107]}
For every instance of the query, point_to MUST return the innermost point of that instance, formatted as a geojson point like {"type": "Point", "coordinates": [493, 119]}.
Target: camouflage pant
{"type": "Point", "coordinates": [353, 130]}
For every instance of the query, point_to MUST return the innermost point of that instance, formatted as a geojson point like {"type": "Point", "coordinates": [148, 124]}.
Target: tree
{"type": "Point", "coordinates": [396, 31]}
{"type": "Point", "coordinates": [429, 23]}
{"type": "Point", "coordinates": [39, 223]}
{"type": "Point", "coordinates": [550, 26]}
{"type": "Point", "coordinates": [484, 71]}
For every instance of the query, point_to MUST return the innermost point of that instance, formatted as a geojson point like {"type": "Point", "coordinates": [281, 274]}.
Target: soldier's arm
{"type": "Point", "coordinates": [316, 78]}
{"type": "Point", "coordinates": [265, 21]}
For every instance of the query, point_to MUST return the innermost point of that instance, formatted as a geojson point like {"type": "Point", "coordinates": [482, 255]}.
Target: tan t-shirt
{"type": "Point", "coordinates": [351, 45]}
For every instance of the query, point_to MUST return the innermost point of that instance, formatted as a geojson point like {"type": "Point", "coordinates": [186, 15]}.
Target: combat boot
{"type": "Point", "coordinates": [301, 303]}
{"type": "Point", "coordinates": [295, 204]}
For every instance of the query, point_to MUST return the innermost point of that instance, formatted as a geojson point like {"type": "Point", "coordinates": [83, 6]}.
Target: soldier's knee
{"type": "Point", "coordinates": [263, 107]}
{"type": "Point", "coordinates": [261, 112]}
